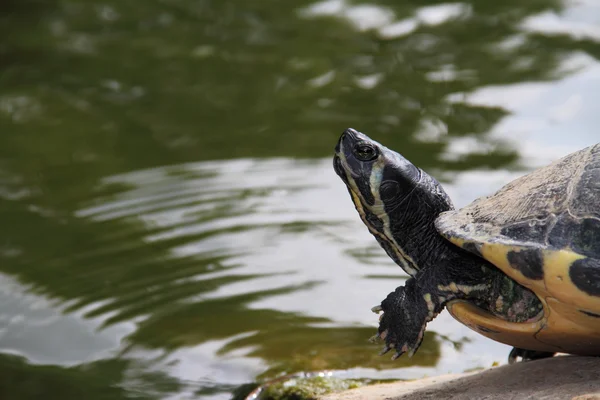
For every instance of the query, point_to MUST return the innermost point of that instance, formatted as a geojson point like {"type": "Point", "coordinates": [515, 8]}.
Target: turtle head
{"type": "Point", "coordinates": [396, 200]}
{"type": "Point", "coordinates": [400, 203]}
{"type": "Point", "coordinates": [375, 175]}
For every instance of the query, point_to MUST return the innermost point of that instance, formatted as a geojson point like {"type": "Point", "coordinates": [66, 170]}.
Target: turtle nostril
{"type": "Point", "coordinates": [349, 134]}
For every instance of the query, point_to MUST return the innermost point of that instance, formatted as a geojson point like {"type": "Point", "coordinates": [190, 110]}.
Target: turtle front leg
{"type": "Point", "coordinates": [405, 315]}
{"type": "Point", "coordinates": [408, 309]}
{"type": "Point", "coordinates": [406, 312]}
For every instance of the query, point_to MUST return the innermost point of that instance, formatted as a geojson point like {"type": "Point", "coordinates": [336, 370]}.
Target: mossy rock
{"type": "Point", "coordinates": [308, 388]}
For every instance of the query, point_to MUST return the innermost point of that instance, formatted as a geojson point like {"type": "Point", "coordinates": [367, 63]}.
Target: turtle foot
{"type": "Point", "coordinates": [527, 355]}
{"type": "Point", "coordinates": [402, 324]}
{"type": "Point", "coordinates": [390, 344]}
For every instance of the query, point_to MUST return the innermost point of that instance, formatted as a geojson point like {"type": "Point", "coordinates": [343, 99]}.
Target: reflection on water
{"type": "Point", "coordinates": [213, 280]}
{"type": "Point", "coordinates": [172, 225]}
{"type": "Point", "coordinates": [270, 262]}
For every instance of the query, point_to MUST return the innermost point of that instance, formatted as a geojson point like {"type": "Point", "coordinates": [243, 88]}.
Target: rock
{"type": "Point", "coordinates": [386, 390]}
{"type": "Point", "coordinates": [556, 378]}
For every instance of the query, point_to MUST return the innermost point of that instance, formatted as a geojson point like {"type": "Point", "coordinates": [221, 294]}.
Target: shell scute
{"type": "Point", "coordinates": [530, 262]}
{"type": "Point", "coordinates": [585, 275]}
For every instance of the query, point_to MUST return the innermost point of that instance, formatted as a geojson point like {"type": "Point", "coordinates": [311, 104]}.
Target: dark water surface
{"type": "Point", "coordinates": [171, 224]}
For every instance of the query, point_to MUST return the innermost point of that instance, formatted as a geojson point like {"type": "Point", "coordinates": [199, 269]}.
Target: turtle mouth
{"type": "Point", "coordinates": [337, 158]}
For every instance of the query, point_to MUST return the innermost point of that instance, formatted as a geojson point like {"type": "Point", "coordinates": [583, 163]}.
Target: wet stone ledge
{"type": "Point", "coordinates": [557, 378]}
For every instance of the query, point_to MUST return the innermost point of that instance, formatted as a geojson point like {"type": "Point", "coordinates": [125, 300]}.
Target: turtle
{"type": "Point", "coordinates": [521, 267]}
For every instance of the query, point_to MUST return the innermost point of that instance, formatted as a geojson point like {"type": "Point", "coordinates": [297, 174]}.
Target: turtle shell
{"type": "Point", "coordinates": [543, 231]}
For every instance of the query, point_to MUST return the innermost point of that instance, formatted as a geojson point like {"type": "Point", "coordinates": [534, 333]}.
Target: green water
{"type": "Point", "coordinates": [171, 224]}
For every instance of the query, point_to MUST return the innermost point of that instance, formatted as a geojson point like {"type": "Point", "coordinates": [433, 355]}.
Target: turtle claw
{"type": "Point", "coordinates": [398, 354]}
{"type": "Point", "coordinates": [379, 336]}
{"type": "Point", "coordinates": [385, 349]}
{"type": "Point", "coordinates": [405, 349]}
{"type": "Point", "coordinates": [377, 309]}
{"type": "Point", "coordinates": [411, 352]}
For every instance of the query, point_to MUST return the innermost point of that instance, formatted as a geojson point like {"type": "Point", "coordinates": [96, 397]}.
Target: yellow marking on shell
{"type": "Point", "coordinates": [556, 281]}
{"type": "Point", "coordinates": [497, 254]}
{"type": "Point", "coordinates": [559, 284]}
{"type": "Point", "coordinates": [407, 262]}
{"type": "Point", "coordinates": [562, 327]}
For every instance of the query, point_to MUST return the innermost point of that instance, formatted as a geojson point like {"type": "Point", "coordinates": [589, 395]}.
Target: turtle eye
{"type": "Point", "coordinates": [365, 152]}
